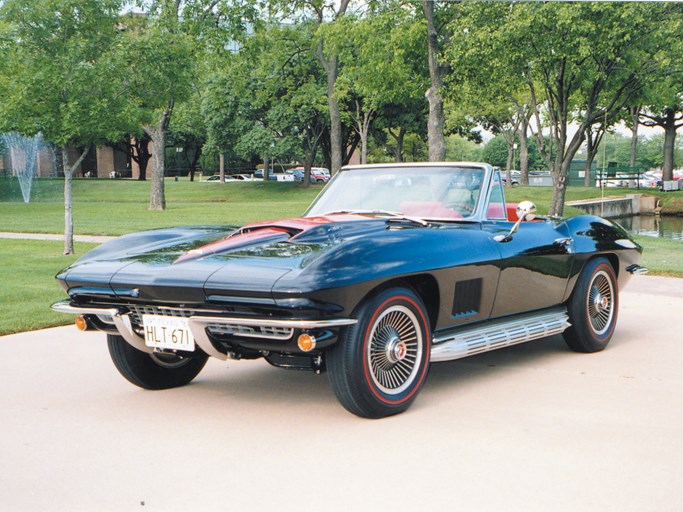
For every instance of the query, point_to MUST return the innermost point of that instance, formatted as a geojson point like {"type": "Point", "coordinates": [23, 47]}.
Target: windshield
{"type": "Point", "coordinates": [427, 192]}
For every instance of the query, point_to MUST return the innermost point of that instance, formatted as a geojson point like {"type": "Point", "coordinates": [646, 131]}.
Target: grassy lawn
{"type": "Point", "coordinates": [114, 207]}
{"type": "Point", "coordinates": [663, 256]}
{"type": "Point", "coordinates": [28, 286]}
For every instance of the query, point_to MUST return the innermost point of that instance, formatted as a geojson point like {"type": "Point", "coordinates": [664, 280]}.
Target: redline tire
{"type": "Point", "coordinates": [593, 307]}
{"type": "Point", "coordinates": [379, 365]}
{"type": "Point", "coordinates": [150, 371]}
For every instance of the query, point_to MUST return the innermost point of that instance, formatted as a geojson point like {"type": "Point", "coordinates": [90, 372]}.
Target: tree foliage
{"type": "Point", "coordinates": [56, 80]}
{"type": "Point", "coordinates": [273, 79]}
{"type": "Point", "coordinates": [579, 62]}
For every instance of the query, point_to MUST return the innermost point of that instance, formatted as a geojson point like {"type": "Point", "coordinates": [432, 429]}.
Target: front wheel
{"type": "Point", "coordinates": [593, 307]}
{"type": "Point", "coordinates": [379, 364]}
{"type": "Point", "coordinates": [153, 371]}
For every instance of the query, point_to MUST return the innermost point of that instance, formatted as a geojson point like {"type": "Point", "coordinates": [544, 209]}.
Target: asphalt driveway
{"type": "Point", "coordinates": [528, 428]}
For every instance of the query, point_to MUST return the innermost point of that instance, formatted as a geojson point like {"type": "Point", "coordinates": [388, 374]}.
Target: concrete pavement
{"type": "Point", "coordinates": [529, 428]}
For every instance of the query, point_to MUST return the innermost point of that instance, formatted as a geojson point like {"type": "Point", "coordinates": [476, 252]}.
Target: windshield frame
{"type": "Point", "coordinates": [478, 213]}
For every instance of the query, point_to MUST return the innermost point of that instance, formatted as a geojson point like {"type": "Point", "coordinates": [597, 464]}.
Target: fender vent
{"type": "Point", "coordinates": [467, 300]}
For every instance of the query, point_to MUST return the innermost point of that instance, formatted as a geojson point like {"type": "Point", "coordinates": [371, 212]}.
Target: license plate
{"type": "Point", "coordinates": [167, 332]}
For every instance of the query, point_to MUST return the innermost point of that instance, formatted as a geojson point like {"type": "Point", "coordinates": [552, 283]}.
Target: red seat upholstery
{"type": "Point", "coordinates": [429, 209]}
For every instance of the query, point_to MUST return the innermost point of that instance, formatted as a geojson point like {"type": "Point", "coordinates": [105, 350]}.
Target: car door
{"type": "Point", "coordinates": [535, 262]}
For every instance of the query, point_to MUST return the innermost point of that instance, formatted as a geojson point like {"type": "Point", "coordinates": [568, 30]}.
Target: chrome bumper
{"type": "Point", "coordinates": [198, 325]}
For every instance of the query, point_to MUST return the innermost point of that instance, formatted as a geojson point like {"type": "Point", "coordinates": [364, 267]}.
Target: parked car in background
{"type": "Point", "coordinates": [284, 176]}
{"type": "Point", "coordinates": [230, 178]}
{"type": "Point", "coordinates": [392, 267]}
{"type": "Point", "coordinates": [318, 174]}
{"type": "Point", "coordinates": [258, 173]}
{"type": "Point", "coordinates": [650, 180]}
{"type": "Point", "coordinates": [515, 177]}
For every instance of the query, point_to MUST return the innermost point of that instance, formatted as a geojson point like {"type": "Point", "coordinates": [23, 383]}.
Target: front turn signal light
{"type": "Point", "coordinates": [81, 323]}
{"type": "Point", "coordinates": [306, 342]}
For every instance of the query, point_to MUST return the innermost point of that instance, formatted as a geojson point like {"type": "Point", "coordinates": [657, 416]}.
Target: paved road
{"type": "Point", "coordinates": [529, 428]}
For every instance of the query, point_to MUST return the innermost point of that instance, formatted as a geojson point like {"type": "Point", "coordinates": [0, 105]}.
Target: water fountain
{"type": "Point", "coordinates": [23, 153]}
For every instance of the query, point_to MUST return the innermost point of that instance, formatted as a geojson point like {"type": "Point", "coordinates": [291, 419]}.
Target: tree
{"type": "Point", "coordinates": [187, 132]}
{"type": "Point", "coordinates": [323, 12]}
{"type": "Point", "coordinates": [584, 62]}
{"type": "Point", "coordinates": [60, 78]}
{"type": "Point", "coordinates": [138, 150]}
{"type": "Point", "coordinates": [382, 69]}
{"type": "Point", "coordinates": [493, 95]}
{"type": "Point", "coordinates": [669, 117]}
{"type": "Point", "coordinates": [495, 152]}
{"type": "Point", "coordinates": [220, 109]}
{"type": "Point", "coordinates": [663, 95]}
{"type": "Point", "coordinates": [158, 55]}
{"type": "Point", "coordinates": [269, 98]}
{"type": "Point", "coordinates": [439, 23]}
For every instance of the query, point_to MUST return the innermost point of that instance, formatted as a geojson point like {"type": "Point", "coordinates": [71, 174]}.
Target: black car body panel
{"type": "Point", "coordinates": [255, 291]}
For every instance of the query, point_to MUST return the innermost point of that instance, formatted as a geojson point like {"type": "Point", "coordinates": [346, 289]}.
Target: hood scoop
{"type": "Point", "coordinates": [308, 229]}
{"type": "Point", "coordinates": [239, 239]}
{"type": "Point", "coordinates": [253, 234]}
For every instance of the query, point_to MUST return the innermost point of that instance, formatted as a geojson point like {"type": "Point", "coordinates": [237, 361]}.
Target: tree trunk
{"type": "Point", "coordinates": [139, 153]}
{"type": "Point", "coordinates": [590, 155]}
{"type": "Point", "coordinates": [436, 121]}
{"type": "Point", "coordinates": [560, 169]}
{"type": "Point", "coordinates": [221, 167]}
{"type": "Point", "coordinates": [524, 151]}
{"type": "Point", "coordinates": [362, 128]}
{"type": "Point", "coordinates": [398, 137]}
{"type": "Point", "coordinates": [559, 191]}
{"type": "Point", "coordinates": [509, 163]}
{"type": "Point", "coordinates": [266, 167]}
{"type": "Point", "coordinates": [68, 199]}
{"type": "Point", "coordinates": [669, 145]}
{"type": "Point", "coordinates": [194, 162]}
{"type": "Point", "coordinates": [157, 198]}
{"type": "Point", "coordinates": [330, 64]}
{"type": "Point", "coordinates": [635, 122]}
{"type": "Point", "coordinates": [335, 117]}
{"type": "Point", "coordinates": [68, 207]}
{"type": "Point", "coordinates": [587, 177]}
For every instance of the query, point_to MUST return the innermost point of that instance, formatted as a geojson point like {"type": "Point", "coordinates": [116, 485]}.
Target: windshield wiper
{"type": "Point", "coordinates": [392, 215]}
{"type": "Point", "coordinates": [365, 212]}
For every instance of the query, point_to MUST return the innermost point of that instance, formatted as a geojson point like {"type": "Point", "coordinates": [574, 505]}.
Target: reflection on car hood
{"type": "Point", "coordinates": [177, 264]}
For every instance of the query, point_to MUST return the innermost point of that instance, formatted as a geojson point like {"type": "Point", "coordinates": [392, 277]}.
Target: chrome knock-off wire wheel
{"type": "Point", "coordinates": [395, 350]}
{"type": "Point", "coordinates": [600, 302]}
{"type": "Point", "coordinates": [593, 307]}
{"type": "Point", "coordinates": [379, 365]}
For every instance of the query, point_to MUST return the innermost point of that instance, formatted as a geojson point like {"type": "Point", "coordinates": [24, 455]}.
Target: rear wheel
{"type": "Point", "coordinates": [154, 371]}
{"type": "Point", "coordinates": [593, 308]}
{"type": "Point", "coordinates": [380, 364]}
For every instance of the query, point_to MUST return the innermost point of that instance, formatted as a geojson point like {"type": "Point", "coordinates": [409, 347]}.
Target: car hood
{"type": "Point", "coordinates": [193, 263]}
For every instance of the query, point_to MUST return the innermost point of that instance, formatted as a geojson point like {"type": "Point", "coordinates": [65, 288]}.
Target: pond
{"type": "Point", "coordinates": [654, 225]}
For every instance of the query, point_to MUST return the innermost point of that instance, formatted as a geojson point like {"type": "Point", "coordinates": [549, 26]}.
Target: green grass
{"type": "Point", "coordinates": [114, 207]}
{"type": "Point", "coordinates": [663, 256]}
{"type": "Point", "coordinates": [28, 286]}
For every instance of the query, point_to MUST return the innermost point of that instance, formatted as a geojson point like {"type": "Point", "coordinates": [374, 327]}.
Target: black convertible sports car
{"type": "Point", "coordinates": [392, 268]}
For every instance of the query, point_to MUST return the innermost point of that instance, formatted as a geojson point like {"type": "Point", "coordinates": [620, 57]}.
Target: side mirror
{"type": "Point", "coordinates": [526, 210]}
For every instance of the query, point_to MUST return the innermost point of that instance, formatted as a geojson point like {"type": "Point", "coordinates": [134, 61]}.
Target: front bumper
{"type": "Point", "coordinates": [200, 322]}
